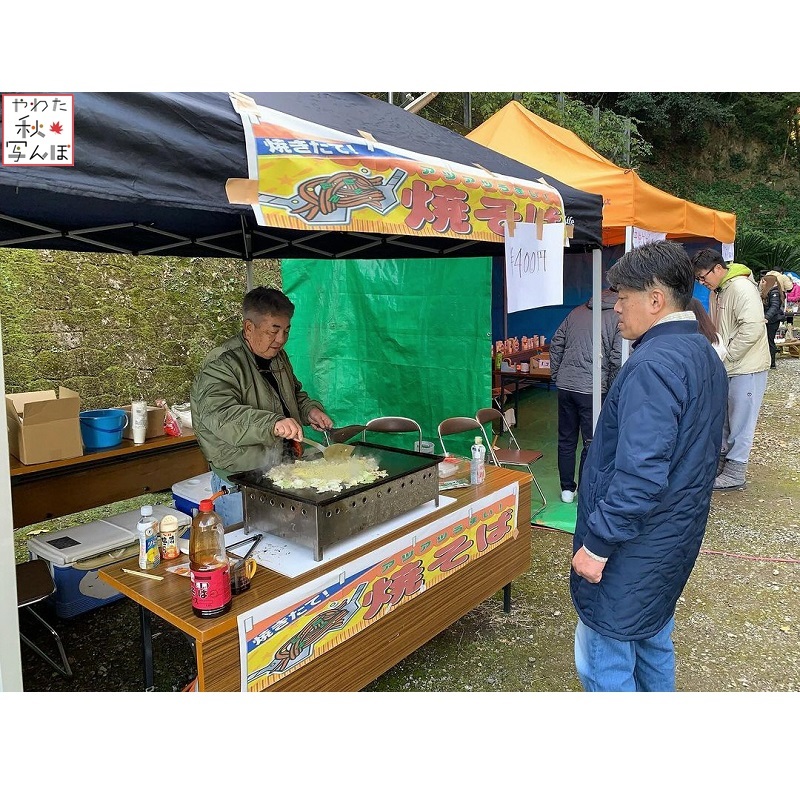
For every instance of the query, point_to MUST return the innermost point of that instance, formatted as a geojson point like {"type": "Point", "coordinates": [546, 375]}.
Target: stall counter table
{"type": "Point", "coordinates": [360, 659]}
{"type": "Point", "coordinates": [42, 491]}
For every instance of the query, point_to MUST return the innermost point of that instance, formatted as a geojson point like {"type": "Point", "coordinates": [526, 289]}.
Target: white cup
{"type": "Point", "coordinates": [139, 421]}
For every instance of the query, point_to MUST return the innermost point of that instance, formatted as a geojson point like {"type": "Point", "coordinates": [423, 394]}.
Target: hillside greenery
{"type": "Point", "coordinates": [114, 327]}
{"type": "Point", "coordinates": [736, 152]}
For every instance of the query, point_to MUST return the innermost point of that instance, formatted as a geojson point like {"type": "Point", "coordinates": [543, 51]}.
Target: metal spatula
{"type": "Point", "coordinates": [333, 452]}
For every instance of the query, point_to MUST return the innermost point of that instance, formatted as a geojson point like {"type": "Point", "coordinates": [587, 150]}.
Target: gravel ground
{"type": "Point", "coordinates": [737, 623]}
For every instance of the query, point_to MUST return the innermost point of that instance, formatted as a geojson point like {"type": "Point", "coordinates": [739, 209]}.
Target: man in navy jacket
{"type": "Point", "coordinates": [647, 481]}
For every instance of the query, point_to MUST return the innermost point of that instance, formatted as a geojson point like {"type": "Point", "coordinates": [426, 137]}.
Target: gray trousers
{"type": "Point", "coordinates": [745, 393]}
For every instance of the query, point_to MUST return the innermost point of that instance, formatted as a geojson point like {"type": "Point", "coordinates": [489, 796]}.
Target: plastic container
{"type": "Point", "coordinates": [75, 555]}
{"type": "Point", "coordinates": [188, 494]}
{"type": "Point", "coordinates": [139, 421]}
{"type": "Point", "coordinates": [102, 427]}
{"type": "Point", "coordinates": [477, 466]}
{"type": "Point", "coordinates": [168, 530]}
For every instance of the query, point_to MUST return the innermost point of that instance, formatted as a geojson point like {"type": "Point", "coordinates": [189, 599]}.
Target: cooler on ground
{"type": "Point", "coordinates": [75, 554]}
{"type": "Point", "coordinates": [187, 494]}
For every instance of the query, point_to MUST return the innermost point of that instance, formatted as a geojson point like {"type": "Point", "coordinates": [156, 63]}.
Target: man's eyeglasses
{"type": "Point", "coordinates": [702, 278]}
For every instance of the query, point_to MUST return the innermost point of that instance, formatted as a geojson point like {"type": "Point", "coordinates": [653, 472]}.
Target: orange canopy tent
{"type": "Point", "coordinates": [628, 201]}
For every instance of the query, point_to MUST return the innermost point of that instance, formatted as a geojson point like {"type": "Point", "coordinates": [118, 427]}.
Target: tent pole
{"type": "Point", "coordinates": [626, 345]}
{"type": "Point", "coordinates": [10, 656]}
{"type": "Point", "coordinates": [597, 335]}
{"type": "Point", "coordinates": [249, 268]}
{"type": "Point", "coordinates": [505, 302]}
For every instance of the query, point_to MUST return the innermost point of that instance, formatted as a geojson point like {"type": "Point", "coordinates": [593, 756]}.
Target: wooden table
{"type": "Point", "coordinates": [789, 348]}
{"type": "Point", "coordinates": [43, 491]}
{"type": "Point", "coordinates": [358, 660]}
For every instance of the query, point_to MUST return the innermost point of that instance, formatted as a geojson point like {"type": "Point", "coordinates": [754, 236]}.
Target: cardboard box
{"type": "Point", "coordinates": [44, 427]}
{"type": "Point", "coordinates": [155, 422]}
{"type": "Point", "coordinates": [539, 364]}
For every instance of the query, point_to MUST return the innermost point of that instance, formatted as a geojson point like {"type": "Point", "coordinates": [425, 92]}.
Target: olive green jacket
{"type": "Point", "coordinates": [234, 409]}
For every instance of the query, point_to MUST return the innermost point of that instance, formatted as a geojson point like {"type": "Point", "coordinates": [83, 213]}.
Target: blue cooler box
{"type": "Point", "coordinates": [74, 556]}
{"type": "Point", "coordinates": [187, 494]}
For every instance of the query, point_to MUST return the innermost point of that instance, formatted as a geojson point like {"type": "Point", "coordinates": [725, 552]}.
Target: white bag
{"type": "Point", "coordinates": [183, 413]}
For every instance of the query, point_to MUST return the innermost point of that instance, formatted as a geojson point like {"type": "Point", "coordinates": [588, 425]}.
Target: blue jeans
{"type": "Point", "coordinates": [609, 665]}
{"type": "Point", "coordinates": [229, 506]}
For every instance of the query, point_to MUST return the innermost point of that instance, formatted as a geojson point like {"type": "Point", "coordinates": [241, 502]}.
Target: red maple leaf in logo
{"type": "Point", "coordinates": [56, 128]}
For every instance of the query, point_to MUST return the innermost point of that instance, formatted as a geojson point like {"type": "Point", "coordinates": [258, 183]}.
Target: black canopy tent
{"type": "Point", "coordinates": [150, 172]}
{"type": "Point", "coordinates": [149, 179]}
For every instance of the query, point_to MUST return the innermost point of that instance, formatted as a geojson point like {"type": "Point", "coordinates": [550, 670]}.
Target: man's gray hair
{"type": "Point", "coordinates": [263, 300]}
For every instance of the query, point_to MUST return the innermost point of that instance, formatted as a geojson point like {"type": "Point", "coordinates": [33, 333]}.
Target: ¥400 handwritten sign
{"type": "Point", "coordinates": [534, 267]}
{"type": "Point", "coordinates": [526, 261]}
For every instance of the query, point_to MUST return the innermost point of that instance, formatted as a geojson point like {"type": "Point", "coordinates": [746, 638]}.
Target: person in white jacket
{"type": "Point", "coordinates": [738, 315]}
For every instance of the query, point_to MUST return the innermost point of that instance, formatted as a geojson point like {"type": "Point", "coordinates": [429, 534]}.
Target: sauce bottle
{"type": "Point", "coordinates": [208, 563]}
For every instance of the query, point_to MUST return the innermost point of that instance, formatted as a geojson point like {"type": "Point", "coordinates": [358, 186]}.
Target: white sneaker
{"type": "Point", "coordinates": [567, 496]}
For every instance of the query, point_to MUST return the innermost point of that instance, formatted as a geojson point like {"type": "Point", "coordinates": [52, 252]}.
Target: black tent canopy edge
{"type": "Point", "coordinates": [151, 170]}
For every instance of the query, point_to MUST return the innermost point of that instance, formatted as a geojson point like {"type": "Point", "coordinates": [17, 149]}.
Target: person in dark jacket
{"type": "Point", "coordinates": [647, 481]}
{"type": "Point", "coordinates": [772, 297]}
{"type": "Point", "coordinates": [247, 405]}
{"type": "Point", "coordinates": [571, 371]}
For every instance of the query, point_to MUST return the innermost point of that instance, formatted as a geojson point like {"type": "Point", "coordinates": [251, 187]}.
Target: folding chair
{"type": "Point", "coordinates": [34, 584]}
{"type": "Point", "coordinates": [513, 456]}
{"type": "Point", "coordinates": [452, 426]}
{"type": "Point", "coordinates": [394, 425]}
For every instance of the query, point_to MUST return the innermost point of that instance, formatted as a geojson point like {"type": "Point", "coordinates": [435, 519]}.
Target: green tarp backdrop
{"type": "Point", "coordinates": [392, 338]}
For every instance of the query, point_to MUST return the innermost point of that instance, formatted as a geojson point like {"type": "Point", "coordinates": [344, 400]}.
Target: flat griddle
{"type": "Point", "coordinates": [317, 518]}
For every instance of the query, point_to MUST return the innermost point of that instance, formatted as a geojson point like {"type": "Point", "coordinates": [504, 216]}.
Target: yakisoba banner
{"type": "Point", "coordinates": [307, 176]}
{"type": "Point", "coordinates": [284, 634]}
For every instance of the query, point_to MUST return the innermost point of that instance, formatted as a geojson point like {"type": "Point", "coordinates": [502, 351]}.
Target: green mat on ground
{"type": "Point", "coordinates": [537, 429]}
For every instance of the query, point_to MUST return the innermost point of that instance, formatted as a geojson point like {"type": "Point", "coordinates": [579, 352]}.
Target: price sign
{"type": "Point", "coordinates": [534, 267]}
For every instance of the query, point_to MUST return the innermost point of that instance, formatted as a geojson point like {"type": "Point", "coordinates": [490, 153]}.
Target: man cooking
{"type": "Point", "coordinates": [247, 405]}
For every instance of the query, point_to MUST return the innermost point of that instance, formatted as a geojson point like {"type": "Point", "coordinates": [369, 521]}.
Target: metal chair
{"type": "Point", "coordinates": [455, 425]}
{"type": "Point", "coordinates": [513, 456]}
{"type": "Point", "coordinates": [34, 584]}
{"type": "Point", "coordinates": [394, 425]}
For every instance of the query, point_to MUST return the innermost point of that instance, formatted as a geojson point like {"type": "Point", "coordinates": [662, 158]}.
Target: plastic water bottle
{"type": "Point", "coordinates": [477, 467]}
{"type": "Point", "coordinates": [147, 532]}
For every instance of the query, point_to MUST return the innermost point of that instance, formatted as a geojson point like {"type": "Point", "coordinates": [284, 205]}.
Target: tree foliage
{"type": "Point", "coordinates": [614, 136]}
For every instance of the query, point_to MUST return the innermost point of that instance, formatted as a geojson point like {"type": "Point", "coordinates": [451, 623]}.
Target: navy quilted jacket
{"type": "Point", "coordinates": [646, 486]}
